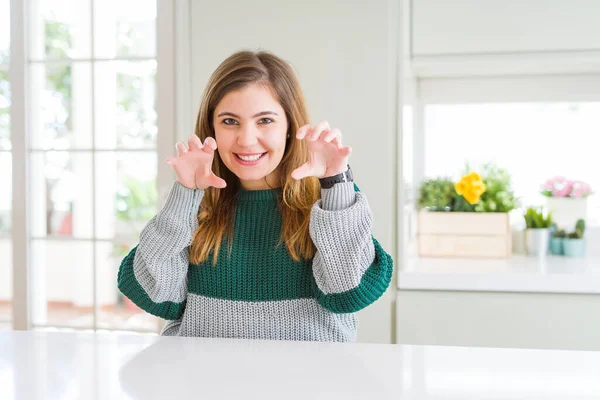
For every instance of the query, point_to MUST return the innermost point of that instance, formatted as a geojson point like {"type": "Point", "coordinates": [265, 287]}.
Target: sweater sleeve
{"type": "Point", "coordinates": [350, 267]}
{"type": "Point", "coordinates": [154, 274]}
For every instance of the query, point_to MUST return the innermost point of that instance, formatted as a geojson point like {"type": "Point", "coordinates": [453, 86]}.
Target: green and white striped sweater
{"type": "Point", "coordinates": [259, 291]}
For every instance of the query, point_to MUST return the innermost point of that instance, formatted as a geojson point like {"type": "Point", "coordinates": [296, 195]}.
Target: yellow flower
{"type": "Point", "coordinates": [471, 187]}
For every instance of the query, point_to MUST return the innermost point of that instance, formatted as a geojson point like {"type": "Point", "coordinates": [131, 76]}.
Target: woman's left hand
{"type": "Point", "coordinates": [327, 155]}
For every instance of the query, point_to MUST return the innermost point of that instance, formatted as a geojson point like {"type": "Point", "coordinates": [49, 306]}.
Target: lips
{"type": "Point", "coordinates": [249, 158]}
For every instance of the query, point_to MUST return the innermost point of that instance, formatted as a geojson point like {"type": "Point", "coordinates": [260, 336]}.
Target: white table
{"type": "Point", "coordinates": [43, 365]}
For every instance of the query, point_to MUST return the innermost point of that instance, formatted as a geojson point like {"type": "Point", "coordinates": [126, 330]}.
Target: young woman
{"type": "Point", "coordinates": [264, 234]}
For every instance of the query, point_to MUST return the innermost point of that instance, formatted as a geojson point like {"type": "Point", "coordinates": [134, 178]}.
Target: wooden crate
{"type": "Point", "coordinates": [467, 235]}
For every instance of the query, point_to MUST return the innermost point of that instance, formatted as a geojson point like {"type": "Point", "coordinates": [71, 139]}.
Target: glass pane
{"type": "Point", "coordinates": [60, 29]}
{"type": "Point", "coordinates": [408, 150]}
{"type": "Point", "coordinates": [62, 283]}
{"type": "Point", "coordinates": [125, 104]}
{"type": "Point", "coordinates": [115, 310]}
{"type": "Point", "coordinates": [5, 239]}
{"type": "Point", "coordinates": [4, 31]}
{"type": "Point", "coordinates": [6, 193]}
{"type": "Point", "coordinates": [61, 189]}
{"type": "Point", "coordinates": [126, 193]}
{"type": "Point", "coordinates": [61, 106]}
{"type": "Point", "coordinates": [5, 143]}
{"type": "Point", "coordinates": [125, 28]}
{"type": "Point", "coordinates": [533, 141]}
{"type": "Point", "coordinates": [5, 278]}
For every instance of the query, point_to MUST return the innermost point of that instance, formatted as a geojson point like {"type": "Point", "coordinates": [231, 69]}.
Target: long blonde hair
{"type": "Point", "coordinates": [216, 213]}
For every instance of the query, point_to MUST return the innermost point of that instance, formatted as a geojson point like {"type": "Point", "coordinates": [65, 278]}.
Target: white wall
{"type": "Point", "coordinates": [469, 27]}
{"type": "Point", "coordinates": [345, 53]}
{"type": "Point", "coordinates": [499, 38]}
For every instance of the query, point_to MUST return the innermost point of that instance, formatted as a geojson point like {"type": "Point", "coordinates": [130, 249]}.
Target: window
{"type": "Point", "coordinates": [93, 150]}
{"type": "Point", "coordinates": [534, 141]}
{"type": "Point", "coordinates": [5, 171]}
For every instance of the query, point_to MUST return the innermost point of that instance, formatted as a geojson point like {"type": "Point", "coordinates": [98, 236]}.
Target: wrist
{"type": "Point", "coordinates": [339, 197]}
{"type": "Point", "coordinates": [334, 172]}
{"type": "Point", "coordinates": [344, 176]}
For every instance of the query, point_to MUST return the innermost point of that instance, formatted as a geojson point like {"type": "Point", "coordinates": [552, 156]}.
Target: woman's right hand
{"type": "Point", "coordinates": [193, 165]}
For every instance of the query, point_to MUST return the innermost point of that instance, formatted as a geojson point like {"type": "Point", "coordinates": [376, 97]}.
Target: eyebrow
{"type": "Point", "coordinates": [260, 114]}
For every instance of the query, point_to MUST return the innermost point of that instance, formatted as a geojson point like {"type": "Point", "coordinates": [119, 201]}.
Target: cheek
{"type": "Point", "coordinates": [278, 139]}
{"type": "Point", "coordinates": [222, 140]}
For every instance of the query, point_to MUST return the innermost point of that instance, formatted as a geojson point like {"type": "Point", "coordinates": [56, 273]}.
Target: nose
{"type": "Point", "coordinates": [247, 136]}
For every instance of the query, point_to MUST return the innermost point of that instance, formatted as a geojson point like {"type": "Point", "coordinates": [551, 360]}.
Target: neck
{"type": "Point", "coordinates": [270, 181]}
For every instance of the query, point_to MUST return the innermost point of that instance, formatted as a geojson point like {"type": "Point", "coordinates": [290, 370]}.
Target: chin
{"type": "Point", "coordinates": [251, 173]}
{"type": "Point", "coordinates": [255, 176]}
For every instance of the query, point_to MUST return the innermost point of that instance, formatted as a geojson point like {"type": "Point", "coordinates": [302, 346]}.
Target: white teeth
{"type": "Point", "coordinates": [250, 158]}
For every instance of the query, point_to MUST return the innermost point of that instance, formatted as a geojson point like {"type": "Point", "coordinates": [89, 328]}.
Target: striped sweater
{"type": "Point", "coordinates": [258, 291]}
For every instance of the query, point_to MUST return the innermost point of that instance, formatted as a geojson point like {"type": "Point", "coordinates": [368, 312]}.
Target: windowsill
{"type": "Point", "coordinates": [552, 274]}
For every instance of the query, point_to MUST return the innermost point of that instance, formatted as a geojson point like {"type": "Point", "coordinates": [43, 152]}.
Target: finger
{"type": "Point", "coordinates": [217, 182]}
{"type": "Point", "coordinates": [303, 131]}
{"type": "Point", "coordinates": [337, 140]}
{"type": "Point", "coordinates": [171, 161]}
{"type": "Point", "coordinates": [194, 142]}
{"type": "Point", "coordinates": [210, 144]}
{"type": "Point", "coordinates": [332, 134]}
{"type": "Point", "coordinates": [346, 150]}
{"type": "Point", "coordinates": [181, 149]}
{"type": "Point", "coordinates": [302, 171]}
{"type": "Point", "coordinates": [320, 128]}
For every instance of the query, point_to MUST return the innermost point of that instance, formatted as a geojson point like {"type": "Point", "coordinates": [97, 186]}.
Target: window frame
{"type": "Point", "coordinates": [21, 149]}
{"type": "Point", "coordinates": [469, 89]}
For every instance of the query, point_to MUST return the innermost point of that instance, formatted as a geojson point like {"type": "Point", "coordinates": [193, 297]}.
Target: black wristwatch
{"type": "Point", "coordinates": [328, 182]}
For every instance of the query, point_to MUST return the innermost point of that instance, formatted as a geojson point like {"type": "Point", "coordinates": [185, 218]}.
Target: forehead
{"type": "Point", "coordinates": [249, 100]}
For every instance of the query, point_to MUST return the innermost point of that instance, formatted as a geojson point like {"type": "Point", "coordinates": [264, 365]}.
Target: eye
{"type": "Point", "coordinates": [265, 121]}
{"type": "Point", "coordinates": [229, 121]}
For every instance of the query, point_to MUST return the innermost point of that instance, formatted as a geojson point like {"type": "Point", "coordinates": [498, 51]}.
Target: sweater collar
{"type": "Point", "coordinates": [258, 195]}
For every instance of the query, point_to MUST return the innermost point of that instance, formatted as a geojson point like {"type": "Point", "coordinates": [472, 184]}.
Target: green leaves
{"type": "Point", "coordinates": [136, 201]}
{"type": "Point", "coordinates": [579, 230]}
{"type": "Point", "coordinates": [440, 195]}
{"type": "Point", "coordinates": [535, 218]}
{"type": "Point", "coordinates": [498, 196]}
{"type": "Point", "coordinates": [437, 194]}
{"type": "Point", "coordinates": [561, 234]}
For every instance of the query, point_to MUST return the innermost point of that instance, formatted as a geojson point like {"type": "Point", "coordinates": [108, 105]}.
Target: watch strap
{"type": "Point", "coordinates": [345, 176]}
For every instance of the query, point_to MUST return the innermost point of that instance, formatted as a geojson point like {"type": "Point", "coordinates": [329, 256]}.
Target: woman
{"type": "Point", "coordinates": [263, 235]}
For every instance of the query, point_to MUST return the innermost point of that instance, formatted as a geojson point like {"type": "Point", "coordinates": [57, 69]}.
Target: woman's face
{"type": "Point", "coordinates": [250, 130]}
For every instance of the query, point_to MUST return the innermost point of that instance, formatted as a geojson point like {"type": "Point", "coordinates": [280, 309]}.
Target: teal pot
{"type": "Point", "coordinates": [556, 246]}
{"type": "Point", "coordinates": [574, 247]}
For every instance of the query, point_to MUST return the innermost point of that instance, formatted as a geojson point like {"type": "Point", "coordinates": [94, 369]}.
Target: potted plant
{"type": "Point", "coordinates": [574, 243]}
{"type": "Point", "coordinates": [556, 242]}
{"type": "Point", "coordinates": [566, 199]}
{"type": "Point", "coordinates": [498, 196]}
{"type": "Point", "coordinates": [436, 194]}
{"type": "Point", "coordinates": [537, 233]}
{"type": "Point", "coordinates": [468, 228]}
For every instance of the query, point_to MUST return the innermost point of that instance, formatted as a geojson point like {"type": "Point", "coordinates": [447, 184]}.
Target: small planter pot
{"type": "Point", "coordinates": [574, 247]}
{"type": "Point", "coordinates": [566, 211]}
{"type": "Point", "coordinates": [537, 241]}
{"type": "Point", "coordinates": [556, 246]}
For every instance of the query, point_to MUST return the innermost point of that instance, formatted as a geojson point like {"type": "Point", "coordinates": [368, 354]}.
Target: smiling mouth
{"type": "Point", "coordinates": [250, 158]}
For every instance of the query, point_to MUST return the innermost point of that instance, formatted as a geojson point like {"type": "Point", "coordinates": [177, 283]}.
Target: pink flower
{"type": "Point", "coordinates": [581, 189]}
{"type": "Point", "coordinates": [559, 186]}
{"type": "Point", "coordinates": [548, 185]}
{"type": "Point", "coordinates": [562, 188]}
